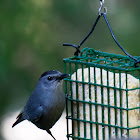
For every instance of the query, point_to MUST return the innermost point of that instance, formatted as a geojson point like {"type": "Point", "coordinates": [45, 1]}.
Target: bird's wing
{"type": "Point", "coordinates": [36, 114]}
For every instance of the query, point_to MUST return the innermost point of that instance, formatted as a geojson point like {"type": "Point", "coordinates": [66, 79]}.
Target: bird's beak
{"type": "Point", "coordinates": [62, 76]}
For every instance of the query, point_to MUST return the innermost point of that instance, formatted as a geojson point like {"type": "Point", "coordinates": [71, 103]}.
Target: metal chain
{"type": "Point", "coordinates": [102, 7]}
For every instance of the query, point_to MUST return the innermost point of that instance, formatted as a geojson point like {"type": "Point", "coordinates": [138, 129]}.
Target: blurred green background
{"type": "Point", "coordinates": [32, 33]}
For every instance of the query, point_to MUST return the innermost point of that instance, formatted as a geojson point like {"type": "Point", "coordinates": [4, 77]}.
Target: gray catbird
{"type": "Point", "coordinates": [46, 103]}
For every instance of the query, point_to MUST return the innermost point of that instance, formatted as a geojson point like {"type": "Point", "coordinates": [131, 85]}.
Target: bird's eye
{"type": "Point", "coordinates": [49, 78]}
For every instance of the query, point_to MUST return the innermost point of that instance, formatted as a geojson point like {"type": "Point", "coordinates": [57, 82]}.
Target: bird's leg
{"type": "Point", "coordinates": [50, 134]}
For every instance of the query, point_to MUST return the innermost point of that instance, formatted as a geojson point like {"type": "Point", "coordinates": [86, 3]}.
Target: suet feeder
{"type": "Point", "coordinates": [103, 92]}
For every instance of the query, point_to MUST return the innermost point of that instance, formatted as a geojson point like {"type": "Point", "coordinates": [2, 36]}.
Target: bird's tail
{"type": "Point", "coordinates": [51, 134]}
{"type": "Point", "coordinates": [19, 119]}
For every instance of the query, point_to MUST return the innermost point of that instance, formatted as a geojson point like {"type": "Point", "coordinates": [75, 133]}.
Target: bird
{"type": "Point", "coordinates": [46, 103]}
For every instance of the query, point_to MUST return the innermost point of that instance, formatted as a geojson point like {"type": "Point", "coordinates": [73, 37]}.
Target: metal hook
{"type": "Point", "coordinates": [101, 7]}
{"type": "Point", "coordinates": [73, 45]}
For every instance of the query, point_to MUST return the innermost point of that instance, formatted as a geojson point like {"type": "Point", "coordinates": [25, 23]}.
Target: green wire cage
{"type": "Point", "coordinates": [102, 96]}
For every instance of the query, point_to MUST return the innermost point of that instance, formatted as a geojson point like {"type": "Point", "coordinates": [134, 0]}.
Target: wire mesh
{"type": "Point", "coordinates": [102, 96]}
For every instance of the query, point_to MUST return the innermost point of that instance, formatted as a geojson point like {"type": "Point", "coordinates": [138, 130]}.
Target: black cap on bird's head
{"type": "Point", "coordinates": [53, 73]}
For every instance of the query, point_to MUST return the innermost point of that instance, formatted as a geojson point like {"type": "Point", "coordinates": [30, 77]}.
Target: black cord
{"type": "Point", "coordinates": [87, 36]}
{"type": "Point", "coordinates": [93, 27]}
{"type": "Point", "coordinates": [78, 47]}
{"type": "Point", "coordinates": [73, 45]}
{"type": "Point", "coordinates": [137, 61]}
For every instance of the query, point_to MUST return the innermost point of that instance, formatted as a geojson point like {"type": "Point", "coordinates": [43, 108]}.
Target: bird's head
{"type": "Point", "coordinates": [52, 78]}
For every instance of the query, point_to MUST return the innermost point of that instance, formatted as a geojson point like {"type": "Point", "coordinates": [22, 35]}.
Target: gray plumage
{"type": "Point", "coordinates": [46, 103]}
